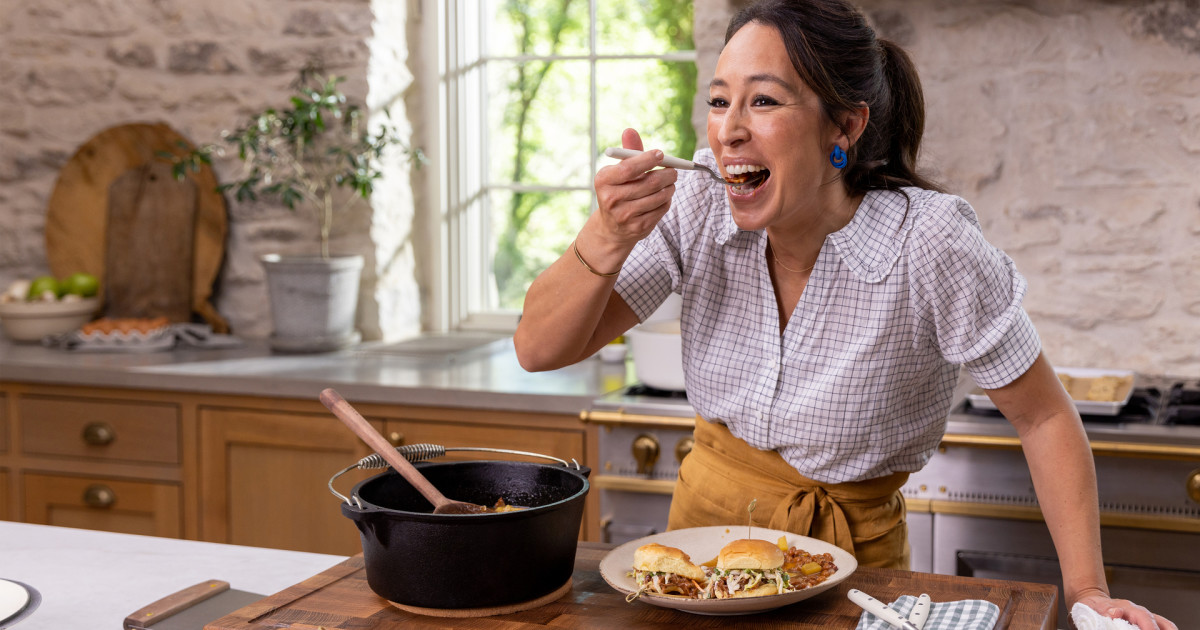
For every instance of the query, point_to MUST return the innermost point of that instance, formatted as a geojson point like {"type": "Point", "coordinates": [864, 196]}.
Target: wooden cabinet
{"type": "Point", "coordinates": [114, 505]}
{"type": "Point", "coordinates": [3, 424]}
{"type": "Point", "coordinates": [244, 470]}
{"type": "Point", "coordinates": [264, 479]}
{"type": "Point", "coordinates": [4, 511]}
{"type": "Point", "coordinates": [95, 459]}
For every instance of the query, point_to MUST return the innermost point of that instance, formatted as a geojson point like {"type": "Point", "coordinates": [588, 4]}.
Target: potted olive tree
{"type": "Point", "coordinates": [316, 155]}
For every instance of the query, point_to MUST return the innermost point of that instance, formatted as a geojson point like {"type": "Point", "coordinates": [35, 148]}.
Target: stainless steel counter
{"type": "Point", "coordinates": [482, 373]}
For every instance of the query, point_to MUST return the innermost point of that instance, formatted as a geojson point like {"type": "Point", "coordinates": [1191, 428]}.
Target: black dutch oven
{"type": "Point", "coordinates": [455, 561]}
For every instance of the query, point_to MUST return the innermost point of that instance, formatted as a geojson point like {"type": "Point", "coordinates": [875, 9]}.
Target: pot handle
{"type": "Point", "coordinates": [419, 452]}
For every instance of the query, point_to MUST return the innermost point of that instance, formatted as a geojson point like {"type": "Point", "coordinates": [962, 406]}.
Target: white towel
{"type": "Point", "coordinates": [1087, 619]}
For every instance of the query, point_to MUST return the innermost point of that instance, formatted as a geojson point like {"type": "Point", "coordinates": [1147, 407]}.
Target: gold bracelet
{"type": "Point", "coordinates": [575, 246]}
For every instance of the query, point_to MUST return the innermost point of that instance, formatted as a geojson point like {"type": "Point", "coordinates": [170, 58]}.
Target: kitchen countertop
{"type": "Point", "coordinates": [91, 579]}
{"type": "Point", "coordinates": [471, 371]}
{"type": "Point", "coordinates": [478, 372]}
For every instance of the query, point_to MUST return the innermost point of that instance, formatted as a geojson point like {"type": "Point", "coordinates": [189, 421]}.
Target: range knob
{"type": "Point", "coordinates": [1193, 485]}
{"type": "Point", "coordinates": [645, 453]}
{"type": "Point", "coordinates": [683, 447]}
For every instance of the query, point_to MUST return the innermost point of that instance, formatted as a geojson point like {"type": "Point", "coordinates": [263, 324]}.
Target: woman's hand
{"type": "Point", "coordinates": [1126, 610]}
{"type": "Point", "coordinates": [632, 196]}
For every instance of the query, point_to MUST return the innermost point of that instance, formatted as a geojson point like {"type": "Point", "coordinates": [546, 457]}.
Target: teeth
{"type": "Point", "coordinates": [739, 169]}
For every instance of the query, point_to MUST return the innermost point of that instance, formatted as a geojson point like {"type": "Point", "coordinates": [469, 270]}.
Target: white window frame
{"type": "Point", "coordinates": [453, 40]}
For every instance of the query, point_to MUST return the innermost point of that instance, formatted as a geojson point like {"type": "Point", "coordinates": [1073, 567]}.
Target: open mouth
{"type": "Point", "coordinates": [744, 179]}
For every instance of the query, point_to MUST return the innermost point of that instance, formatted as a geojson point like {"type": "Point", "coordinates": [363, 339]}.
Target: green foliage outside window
{"type": "Point", "coordinates": [540, 136]}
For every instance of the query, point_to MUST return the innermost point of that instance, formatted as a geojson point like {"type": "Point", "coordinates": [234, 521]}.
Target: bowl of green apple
{"type": "Point", "coordinates": [31, 310]}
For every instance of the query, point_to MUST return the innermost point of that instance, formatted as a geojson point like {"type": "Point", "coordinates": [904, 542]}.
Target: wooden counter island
{"type": "Point", "coordinates": [339, 598]}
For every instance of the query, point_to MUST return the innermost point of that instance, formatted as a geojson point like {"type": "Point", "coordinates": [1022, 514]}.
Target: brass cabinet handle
{"type": "Point", "coordinates": [683, 448]}
{"type": "Point", "coordinates": [99, 434]}
{"type": "Point", "coordinates": [99, 496]}
{"type": "Point", "coordinates": [645, 453]}
{"type": "Point", "coordinates": [395, 438]}
{"type": "Point", "coordinates": [1193, 485]}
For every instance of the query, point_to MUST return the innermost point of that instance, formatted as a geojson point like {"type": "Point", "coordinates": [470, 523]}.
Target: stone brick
{"type": "Point", "coordinates": [323, 23]}
{"type": "Point", "coordinates": [138, 55]}
{"type": "Point", "coordinates": [1177, 22]}
{"type": "Point", "coordinates": [60, 83]}
{"type": "Point", "coordinates": [200, 58]}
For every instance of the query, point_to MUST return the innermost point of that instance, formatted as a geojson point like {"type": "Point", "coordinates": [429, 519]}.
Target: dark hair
{"type": "Point", "coordinates": [837, 54]}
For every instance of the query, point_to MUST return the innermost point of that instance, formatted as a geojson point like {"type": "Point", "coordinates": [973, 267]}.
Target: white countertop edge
{"type": "Point", "coordinates": [91, 579]}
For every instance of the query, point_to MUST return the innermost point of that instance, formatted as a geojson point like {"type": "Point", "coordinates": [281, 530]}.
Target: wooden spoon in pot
{"type": "Point", "coordinates": [351, 418]}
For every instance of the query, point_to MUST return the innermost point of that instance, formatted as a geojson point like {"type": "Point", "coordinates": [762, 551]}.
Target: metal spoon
{"type": "Point", "coordinates": [351, 418]}
{"type": "Point", "coordinates": [669, 161]}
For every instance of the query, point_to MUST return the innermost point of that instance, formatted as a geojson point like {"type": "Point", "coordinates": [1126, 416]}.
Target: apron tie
{"type": "Point", "coordinates": [814, 513]}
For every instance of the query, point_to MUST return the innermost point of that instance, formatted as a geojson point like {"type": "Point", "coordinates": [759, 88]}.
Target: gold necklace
{"type": "Point", "coordinates": [778, 262]}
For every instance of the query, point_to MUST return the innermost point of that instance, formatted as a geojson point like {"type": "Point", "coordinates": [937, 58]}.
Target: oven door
{"type": "Point", "coordinates": [632, 508]}
{"type": "Point", "coordinates": [1157, 569]}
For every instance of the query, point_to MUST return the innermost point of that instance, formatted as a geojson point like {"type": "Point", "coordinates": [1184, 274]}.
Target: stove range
{"type": "Point", "coordinates": [972, 509]}
{"type": "Point", "coordinates": [1161, 409]}
{"type": "Point", "coordinates": [644, 433]}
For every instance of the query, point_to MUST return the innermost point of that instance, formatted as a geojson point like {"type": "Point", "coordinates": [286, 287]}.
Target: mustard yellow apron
{"type": "Point", "coordinates": [723, 473]}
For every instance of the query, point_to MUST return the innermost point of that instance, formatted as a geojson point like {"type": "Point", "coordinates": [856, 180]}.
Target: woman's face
{"type": "Point", "coordinates": [764, 120]}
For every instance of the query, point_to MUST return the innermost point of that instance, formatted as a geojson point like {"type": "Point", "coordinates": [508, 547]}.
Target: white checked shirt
{"type": "Point", "coordinates": [860, 382]}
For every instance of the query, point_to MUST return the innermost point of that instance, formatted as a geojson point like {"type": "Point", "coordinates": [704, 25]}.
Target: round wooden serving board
{"type": "Point", "coordinates": [77, 214]}
{"type": "Point", "coordinates": [488, 611]}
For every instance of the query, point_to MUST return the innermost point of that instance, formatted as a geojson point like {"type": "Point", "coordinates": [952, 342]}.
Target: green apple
{"type": "Point", "coordinates": [81, 284]}
{"type": "Point", "coordinates": [42, 284]}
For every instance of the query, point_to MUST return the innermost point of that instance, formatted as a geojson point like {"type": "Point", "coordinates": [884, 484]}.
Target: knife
{"type": "Point", "coordinates": [920, 612]}
{"type": "Point", "coordinates": [877, 608]}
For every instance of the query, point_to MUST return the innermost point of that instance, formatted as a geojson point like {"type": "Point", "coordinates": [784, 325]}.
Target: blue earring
{"type": "Point", "coordinates": [837, 157]}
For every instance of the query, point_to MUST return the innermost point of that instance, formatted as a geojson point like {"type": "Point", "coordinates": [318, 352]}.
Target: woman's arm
{"type": "Point", "coordinates": [1064, 477]}
{"type": "Point", "coordinates": [571, 309]}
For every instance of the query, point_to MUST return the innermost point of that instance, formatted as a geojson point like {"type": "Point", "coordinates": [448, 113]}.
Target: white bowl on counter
{"type": "Point", "coordinates": [31, 321]}
{"type": "Point", "coordinates": [657, 350]}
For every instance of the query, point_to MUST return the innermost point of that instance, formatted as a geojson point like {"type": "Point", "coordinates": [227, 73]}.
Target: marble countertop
{"type": "Point", "coordinates": [466, 371]}
{"type": "Point", "coordinates": [91, 579]}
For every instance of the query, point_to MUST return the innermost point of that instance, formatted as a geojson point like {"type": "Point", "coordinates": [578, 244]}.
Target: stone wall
{"type": "Point", "coordinates": [1073, 128]}
{"type": "Point", "coordinates": [71, 69]}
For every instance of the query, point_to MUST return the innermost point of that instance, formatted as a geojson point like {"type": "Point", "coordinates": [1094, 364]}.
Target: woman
{"type": "Point", "coordinates": [830, 295]}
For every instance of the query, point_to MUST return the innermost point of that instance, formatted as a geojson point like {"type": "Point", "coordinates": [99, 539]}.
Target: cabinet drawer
{"type": "Point", "coordinates": [114, 505]}
{"type": "Point", "coordinates": [99, 429]}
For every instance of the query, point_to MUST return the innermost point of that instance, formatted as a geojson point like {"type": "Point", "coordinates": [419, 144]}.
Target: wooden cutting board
{"type": "Point", "coordinates": [78, 211]}
{"type": "Point", "coordinates": [340, 598]}
{"type": "Point", "coordinates": [153, 214]}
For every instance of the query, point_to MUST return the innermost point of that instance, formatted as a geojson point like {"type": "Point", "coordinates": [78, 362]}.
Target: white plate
{"type": "Point", "coordinates": [979, 400]}
{"type": "Point", "coordinates": [703, 544]}
{"type": "Point", "coordinates": [13, 599]}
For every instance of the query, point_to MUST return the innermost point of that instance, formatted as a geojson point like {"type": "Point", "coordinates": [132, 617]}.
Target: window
{"type": "Point", "coordinates": [530, 93]}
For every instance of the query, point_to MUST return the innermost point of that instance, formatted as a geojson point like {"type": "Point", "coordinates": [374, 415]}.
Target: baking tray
{"type": "Point", "coordinates": [1080, 378]}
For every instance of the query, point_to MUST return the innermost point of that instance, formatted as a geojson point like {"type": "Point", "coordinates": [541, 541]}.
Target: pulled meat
{"type": "Point", "coordinates": [668, 584]}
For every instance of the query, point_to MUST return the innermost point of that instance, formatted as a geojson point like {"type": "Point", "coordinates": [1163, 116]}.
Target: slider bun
{"type": "Point", "coordinates": [749, 553]}
{"type": "Point", "coordinates": [761, 590]}
{"type": "Point", "coordinates": [656, 557]}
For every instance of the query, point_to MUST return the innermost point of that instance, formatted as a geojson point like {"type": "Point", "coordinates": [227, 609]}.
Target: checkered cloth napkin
{"type": "Point", "coordinates": [966, 614]}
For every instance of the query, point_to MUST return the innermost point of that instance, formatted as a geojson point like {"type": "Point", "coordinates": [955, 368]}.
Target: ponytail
{"type": "Point", "coordinates": [891, 144]}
